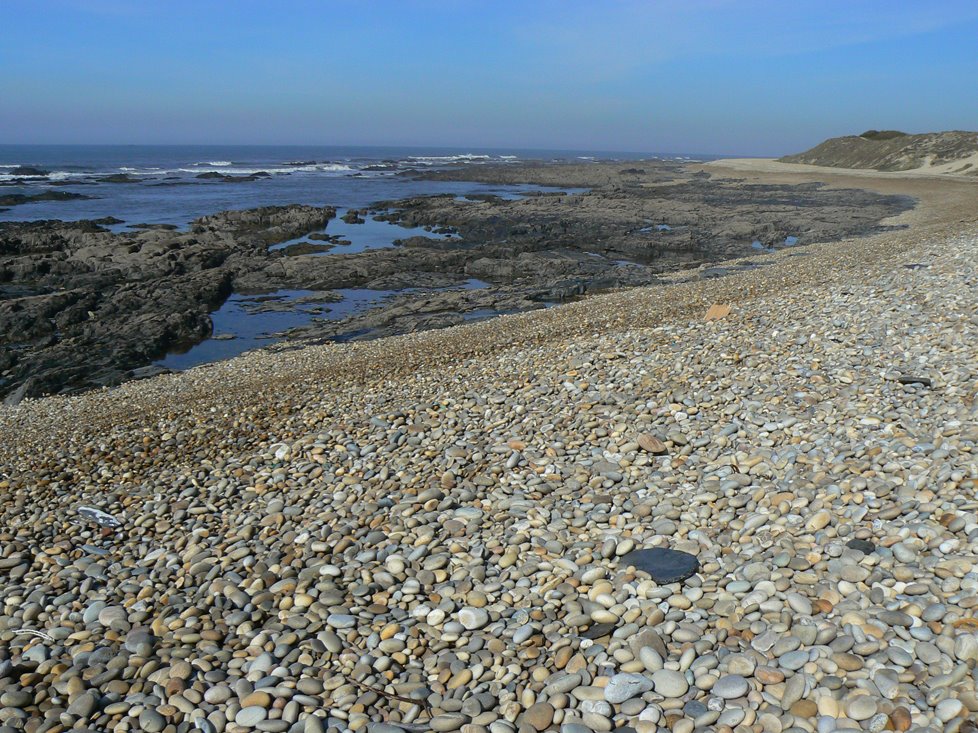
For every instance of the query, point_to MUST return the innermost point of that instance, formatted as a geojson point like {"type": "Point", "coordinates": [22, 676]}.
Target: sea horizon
{"type": "Point", "coordinates": [376, 147]}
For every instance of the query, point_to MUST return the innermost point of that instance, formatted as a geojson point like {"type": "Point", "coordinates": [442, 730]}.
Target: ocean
{"type": "Point", "coordinates": [164, 184]}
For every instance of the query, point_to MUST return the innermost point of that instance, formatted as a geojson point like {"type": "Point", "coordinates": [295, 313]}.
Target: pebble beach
{"type": "Point", "coordinates": [429, 531]}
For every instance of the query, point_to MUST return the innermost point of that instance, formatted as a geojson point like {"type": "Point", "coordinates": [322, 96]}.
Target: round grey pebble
{"type": "Point", "coordinates": [731, 686]}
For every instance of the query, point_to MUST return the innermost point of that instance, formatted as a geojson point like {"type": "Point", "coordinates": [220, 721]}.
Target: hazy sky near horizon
{"type": "Point", "coordinates": [749, 77]}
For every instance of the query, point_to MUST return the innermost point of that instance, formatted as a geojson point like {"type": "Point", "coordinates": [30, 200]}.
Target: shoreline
{"type": "Point", "coordinates": [81, 321]}
{"type": "Point", "coordinates": [680, 300]}
{"type": "Point", "coordinates": [431, 529]}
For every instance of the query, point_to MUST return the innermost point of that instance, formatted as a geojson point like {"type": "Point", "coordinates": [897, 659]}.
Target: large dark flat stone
{"type": "Point", "coordinates": [598, 631]}
{"type": "Point", "coordinates": [664, 565]}
{"type": "Point", "coordinates": [864, 546]}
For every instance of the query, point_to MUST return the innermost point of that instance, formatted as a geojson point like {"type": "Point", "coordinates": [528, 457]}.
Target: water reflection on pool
{"type": "Point", "coordinates": [373, 233]}
{"type": "Point", "coordinates": [249, 321]}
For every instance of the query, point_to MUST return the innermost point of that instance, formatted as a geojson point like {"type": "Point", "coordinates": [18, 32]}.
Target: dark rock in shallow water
{"type": "Point", "coordinates": [15, 199]}
{"type": "Point", "coordinates": [306, 248]}
{"type": "Point", "coordinates": [119, 178]}
{"type": "Point", "coordinates": [26, 170]}
{"type": "Point", "coordinates": [354, 216]}
{"type": "Point", "coordinates": [228, 178]}
{"type": "Point", "coordinates": [864, 546]}
{"type": "Point", "coordinates": [664, 565]}
{"type": "Point", "coordinates": [155, 227]}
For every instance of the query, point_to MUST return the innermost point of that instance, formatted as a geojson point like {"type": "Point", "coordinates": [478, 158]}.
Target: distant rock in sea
{"type": "Point", "coordinates": [14, 199]}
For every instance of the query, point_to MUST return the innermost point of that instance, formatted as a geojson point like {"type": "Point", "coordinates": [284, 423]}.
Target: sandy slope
{"type": "Point", "coordinates": [819, 172]}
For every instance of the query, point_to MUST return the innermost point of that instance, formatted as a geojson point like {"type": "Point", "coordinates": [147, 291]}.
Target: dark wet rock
{"type": "Point", "coordinates": [271, 223]}
{"type": "Point", "coordinates": [354, 216]}
{"type": "Point", "coordinates": [29, 171]}
{"type": "Point", "coordinates": [155, 227]}
{"type": "Point", "coordinates": [15, 199]}
{"type": "Point", "coordinates": [422, 241]}
{"type": "Point", "coordinates": [664, 565]}
{"type": "Point", "coordinates": [119, 178]}
{"type": "Point", "coordinates": [229, 178]}
{"type": "Point", "coordinates": [102, 305]}
{"type": "Point", "coordinates": [305, 248]}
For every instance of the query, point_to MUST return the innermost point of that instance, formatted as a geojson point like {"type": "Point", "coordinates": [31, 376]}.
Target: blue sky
{"type": "Point", "coordinates": [751, 77]}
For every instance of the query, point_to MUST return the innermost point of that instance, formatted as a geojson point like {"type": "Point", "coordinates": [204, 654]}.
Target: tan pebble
{"type": "Point", "coordinates": [848, 662]}
{"type": "Point", "coordinates": [461, 678]}
{"type": "Point", "coordinates": [768, 675]}
{"type": "Point", "coordinates": [262, 699]}
{"type": "Point", "coordinates": [804, 709]}
{"type": "Point", "coordinates": [476, 599]}
{"type": "Point", "coordinates": [900, 719]}
{"type": "Point", "coordinates": [651, 444]}
{"type": "Point", "coordinates": [829, 706]}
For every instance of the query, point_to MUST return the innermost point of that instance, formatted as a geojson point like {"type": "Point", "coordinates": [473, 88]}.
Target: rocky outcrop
{"type": "Point", "coordinates": [953, 152]}
{"type": "Point", "coordinates": [663, 218]}
{"type": "Point", "coordinates": [270, 224]}
{"type": "Point", "coordinates": [29, 171]}
{"type": "Point", "coordinates": [82, 307]}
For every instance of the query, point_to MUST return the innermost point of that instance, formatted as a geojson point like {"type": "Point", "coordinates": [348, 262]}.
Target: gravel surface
{"type": "Point", "coordinates": [426, 532]}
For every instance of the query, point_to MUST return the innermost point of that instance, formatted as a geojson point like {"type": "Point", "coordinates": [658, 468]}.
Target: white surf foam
{"type": "Point", "coordinates": [52, 176]}
{"type": "Point", "coordinates": [233, 171]}
{"type": "Point", "coordinates": [446, 159]}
